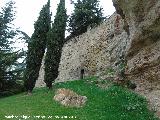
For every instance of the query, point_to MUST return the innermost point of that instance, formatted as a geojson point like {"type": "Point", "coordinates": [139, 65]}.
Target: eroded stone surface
{"type": "Point", "coordinates": [69, 98]}
{"type": "Point", "coordinates": [143, 54]}
{"type": "Point", "coordinates": [40, 81]}
{"type": "Point", "coordinates": [94, 51]}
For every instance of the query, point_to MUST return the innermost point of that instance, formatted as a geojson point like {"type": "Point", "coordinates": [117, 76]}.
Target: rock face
{"type": "Point", "coordinates": [143, 53]}
{"type": "Point", "coordinates": [132, 33]}
{"type": "Point", "coordinates": [154, 100]}
{"type": "Point", "coordinates": [69, 98]}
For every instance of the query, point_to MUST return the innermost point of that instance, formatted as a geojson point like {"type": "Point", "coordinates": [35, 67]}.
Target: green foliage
{"type": "Point", "coordinates": [24, 36]}
{"type": "Point", "coordinates": [36, 47]}
{"type": "Point", "coordinates": [10, 68]}
{"type": "Point", "coordinates": [115, 103]}
{"type": "Point", "coordinates": [56, 37]}
{"type": "Point", "coordinates": [7, 33]}
{"type": "Point", "coordinates": [91, 78]}
{"type": "Point", "coordinates": [110, 71]}
{"type": "Point", "coordinates": [87, 13]}
{"type": "Point", "coordinates": [12, 88]}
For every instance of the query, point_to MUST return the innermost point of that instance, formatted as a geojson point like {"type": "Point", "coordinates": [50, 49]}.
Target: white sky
{"type": "Point", "coordinates": [28, 11]}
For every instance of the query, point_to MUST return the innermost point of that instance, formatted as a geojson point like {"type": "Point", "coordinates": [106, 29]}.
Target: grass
{"type": "Point", "coordinates": [115, 103]}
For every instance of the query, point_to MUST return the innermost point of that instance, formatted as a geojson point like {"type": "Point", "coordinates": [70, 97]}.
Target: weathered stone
{"type": "Point", "coordinates": [93, 51]}
{"type": "Point", "coordinates": [143, 51]}
{"type": "Point", "coordinates": [40, 81]}
{"type": "Point", "coordinates": [158, 114]}
{"type": "Point", "coordinates": [154, 100]}
{"type": "Point", "coordinates": [69, 98]}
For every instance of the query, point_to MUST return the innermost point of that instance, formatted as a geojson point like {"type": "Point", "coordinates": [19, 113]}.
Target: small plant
{"type": "Point", "coordinates": [91, 79]}
{"type": "Point", "coordinates": [110, 71]}
{"type": "Point", "coordinates": [130, 85]}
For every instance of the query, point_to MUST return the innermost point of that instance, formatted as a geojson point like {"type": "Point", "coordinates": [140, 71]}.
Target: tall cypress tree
{"type": "Point", "coordinates": [55, 43]}
{"type": "Point", "coordinates": [36, 47]}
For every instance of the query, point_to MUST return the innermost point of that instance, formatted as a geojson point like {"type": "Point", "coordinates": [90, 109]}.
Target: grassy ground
{"type": "Point", "coordinates": [115, 103]}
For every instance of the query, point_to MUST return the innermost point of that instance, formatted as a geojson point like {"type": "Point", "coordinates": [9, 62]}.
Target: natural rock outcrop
{"type": "Point", "coordinates": [133, 33]}
{"type": "Point", "coordinates": [69, 98]}
{"type": "Point", "coordinates": [143, 53]}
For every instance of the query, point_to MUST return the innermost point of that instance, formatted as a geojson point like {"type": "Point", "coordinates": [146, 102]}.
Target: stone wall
{"type": "Point", "coordinates": [40, 81]}
{"type": "Point", "coordinates": [93, 51]}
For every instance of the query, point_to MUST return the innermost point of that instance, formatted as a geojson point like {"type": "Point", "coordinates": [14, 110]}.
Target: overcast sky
{"type": "Point", "coordinates": [28, 11]}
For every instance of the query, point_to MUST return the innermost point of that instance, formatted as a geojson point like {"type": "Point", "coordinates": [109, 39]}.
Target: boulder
{"type": "Point", "coordinates": [69, 98]}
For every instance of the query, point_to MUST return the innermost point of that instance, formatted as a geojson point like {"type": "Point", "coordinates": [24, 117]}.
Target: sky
{"type": "Point", "coordinates": [27, 11]}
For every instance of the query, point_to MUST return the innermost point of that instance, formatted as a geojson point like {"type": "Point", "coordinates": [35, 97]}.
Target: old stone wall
{"type": "Point", "coordinates": [40, 81]}
{"type": "Point", "coordinates": [133, 33]}
{"type": "Point", "coordinates": [93, 51]}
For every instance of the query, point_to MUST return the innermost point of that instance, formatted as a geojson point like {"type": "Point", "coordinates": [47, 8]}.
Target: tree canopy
{"type": "Point", "coordinates": [36, 47]}
{"type": "Point", "coordinates": [56, 37]}
{"type": "Point", "coordinates": [87, 13]}
{"type": "Point", "coordinates": [10, 68]}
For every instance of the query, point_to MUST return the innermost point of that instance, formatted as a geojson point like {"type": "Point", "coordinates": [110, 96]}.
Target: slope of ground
{"type": "Point", "coordinates": [114, 103]}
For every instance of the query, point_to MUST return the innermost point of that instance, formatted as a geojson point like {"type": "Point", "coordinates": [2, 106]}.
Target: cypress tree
{"type": "Point", "coordinates": [36, 47]}
{"type": "Point", "coordinates": [86, 13]}
{"type": "Point", "coordinates": [56, 37]}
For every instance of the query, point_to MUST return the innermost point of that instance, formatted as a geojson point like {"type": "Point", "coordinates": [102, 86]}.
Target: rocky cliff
{"type": "Point", "coordinates": [142, 18]}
